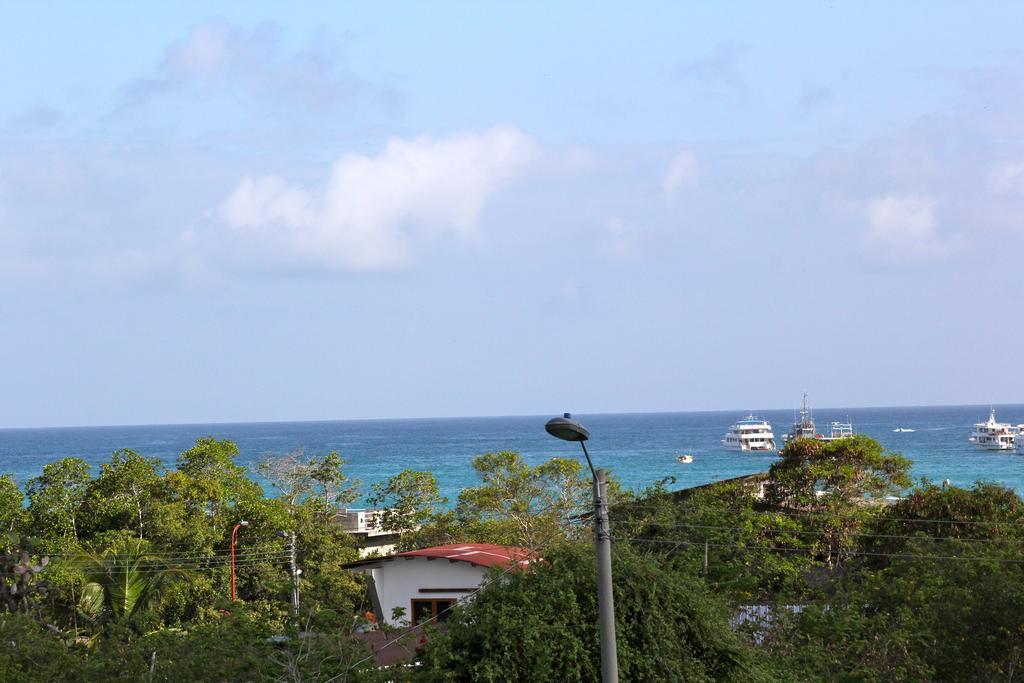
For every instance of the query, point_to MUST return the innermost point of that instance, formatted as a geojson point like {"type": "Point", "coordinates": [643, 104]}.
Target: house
{"type": "Point", "coordinates": [365, 525]}
{"type": "Point", "coordinates": [420, 585]}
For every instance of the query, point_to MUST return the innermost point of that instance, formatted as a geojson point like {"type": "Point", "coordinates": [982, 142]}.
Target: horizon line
{"type": "Point", "coordinates": [482, 417]}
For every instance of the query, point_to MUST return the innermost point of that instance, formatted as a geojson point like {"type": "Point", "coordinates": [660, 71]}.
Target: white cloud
{"type": "Point", "coordinates": [902, 229]}
{"type": "Point", "coordinates": [220, 58]}
{"type": "Point", "coordinates": [621, 238]}
{"type": "Point", "coordinates": [682, 171]}
{"type": "Point", "coordinates": [1006, 178]}
{"type": "Point", "coordinates": [372, 210]}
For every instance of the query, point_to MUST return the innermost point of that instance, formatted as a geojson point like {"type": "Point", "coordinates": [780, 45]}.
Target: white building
{"type": "Point", "coordinates": [425, 583]}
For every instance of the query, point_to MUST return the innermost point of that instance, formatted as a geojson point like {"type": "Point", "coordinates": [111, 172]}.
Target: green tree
{"type": "Point", "coordinates": [540, 624]}
{"type": "Point", "coordinates": [13, 514]}
{"type": "Point", "coordinates": [835, 482]}
{"type": "Point", "coordinates": [122, 582]}
{"type": "Point", "coordinates": [407, 501]}
{"type": "Point", "coordinates": [519, 504]}
{"type": "Point", "coordinates": [123, 495]}
{"type": "Point", "coordinates": [56, 497]}
{"type": "Point", "coordinates": [753, 553]}
{"type": "Point", "coordinates": [206, 492]}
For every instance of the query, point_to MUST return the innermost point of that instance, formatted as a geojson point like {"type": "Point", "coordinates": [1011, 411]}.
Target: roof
{"type": "Point", "coordinates": [478, 554]}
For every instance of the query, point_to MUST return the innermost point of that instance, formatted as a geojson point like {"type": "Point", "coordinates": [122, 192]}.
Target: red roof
{"type": "Point", "coordinates": [480, 554]}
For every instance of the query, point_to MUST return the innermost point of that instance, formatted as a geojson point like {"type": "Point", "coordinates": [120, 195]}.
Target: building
{"type": "Point", "coordinates": [419, 585]}
{"type": "Point", "coordinates": [365, 525]}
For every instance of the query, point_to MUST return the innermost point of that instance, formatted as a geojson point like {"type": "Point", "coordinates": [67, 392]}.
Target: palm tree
{"type": "Point", "coordinates": [122, 581]}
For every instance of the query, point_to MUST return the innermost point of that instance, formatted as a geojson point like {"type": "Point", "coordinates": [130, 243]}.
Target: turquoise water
{"type": "Point", "coordinates": [639, 448]}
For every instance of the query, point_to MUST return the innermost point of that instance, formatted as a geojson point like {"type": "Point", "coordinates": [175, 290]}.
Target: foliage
{"type": "Point", "coordinates": [407, 501]}
{"type": "Point", "coordinates": [915, 619]}
{"type": "Point", "coordinates": [122, 497]}
{"type": "Point", "coordinates": [13, 515]}
{"type": "Point", "coordinates": [56, 497]}
{"type": "Point", "coordinates": [300, 478]}
{"type": "Point", "coordinates": [835, 481]}
{"type": "Point", "coordinates": [122, 581]}
{"type": "Point", "coordinates": [519, 504]}
{"type": "Point", "coordinates": [540, 624]}
{"type": "Point", "coordinates": [753, 553]}
{"type": "Point", "coordinates": [20, 584]}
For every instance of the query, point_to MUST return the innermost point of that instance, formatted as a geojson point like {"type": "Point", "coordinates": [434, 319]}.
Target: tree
{"type": "Point", "coordinates": [834, 481]}
{"type": "Point", "coordinates": [407, 501]}
{"type": "Point", "coordinates": [205, 495]}
{"type": "Point", "coordinates": [13, 514]}
{"type": "Point", "coordinates": [311, 489]}
{"type": "Point", "coordinates": [300, 478]}
{"type": "Point", "coordinates": [122, 496]}
{"type": "Point", "coordinates": [56, 497]}
{"type": "Point", "coordinates": [753, 554]}
{"type": "Point", "coordinates": [122, 581]}
{"type": "Point", "coordinates": [540, 624]}
{"type": "Point", "coordinates": [517, 504]}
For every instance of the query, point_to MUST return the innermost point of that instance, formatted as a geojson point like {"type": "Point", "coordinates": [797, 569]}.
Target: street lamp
{"type": "Point", "coordinates": [234, 536]}
{"type": "Point", "coordinates": [567, 429]}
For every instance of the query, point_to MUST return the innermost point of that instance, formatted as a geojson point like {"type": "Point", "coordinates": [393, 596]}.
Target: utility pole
{"type": "Point", "coordinates": [295, 571]}
{"type": "Point", "coordinates": [295, 576]}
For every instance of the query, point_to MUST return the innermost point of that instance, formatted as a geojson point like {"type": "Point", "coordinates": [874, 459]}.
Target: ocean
{"type": "Point", "coordinates": [639, 449]}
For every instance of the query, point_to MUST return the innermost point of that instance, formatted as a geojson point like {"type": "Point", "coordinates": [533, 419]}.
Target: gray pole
{"type": "Point", "coordinates": [295, 576]}
{"type": "Point", "coordinates": [605, 597]}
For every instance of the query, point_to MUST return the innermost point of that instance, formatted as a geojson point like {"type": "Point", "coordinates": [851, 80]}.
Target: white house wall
{"type": "Point", "coordinates": [398, 582]}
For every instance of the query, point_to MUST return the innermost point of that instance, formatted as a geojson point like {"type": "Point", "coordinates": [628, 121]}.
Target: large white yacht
{"type": "Point", "coordinates": [995, 436]}
{"type": "Point", "coordinates": [750, 434]}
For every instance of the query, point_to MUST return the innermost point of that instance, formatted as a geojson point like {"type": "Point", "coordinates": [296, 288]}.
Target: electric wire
{"type": "Point", "coordinates": [810, 549]}
{"type": "Point", "coordinates": [627, 507]}
{"type": "Point", "coordinates": [809, 532]}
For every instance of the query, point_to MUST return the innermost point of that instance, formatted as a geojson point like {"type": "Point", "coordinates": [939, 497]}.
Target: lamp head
{"type": "Point", "coordinates": [566, 428]}
{"type": "Point", "coordinates": [243, 523]}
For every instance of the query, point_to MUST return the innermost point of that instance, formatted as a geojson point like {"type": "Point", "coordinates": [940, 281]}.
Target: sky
{"type": "Point", "coordinates": [372, 210]}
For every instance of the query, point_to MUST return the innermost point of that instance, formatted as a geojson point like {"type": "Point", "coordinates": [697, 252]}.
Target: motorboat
{"type": "Point", "coordinates": [684, 459]}
{"type": "Point", "coordinates": [750, 434]}
{"type": "Point", "coordinates": [995, 436]}
{"type": "Point", "coordinates": [902, 430]}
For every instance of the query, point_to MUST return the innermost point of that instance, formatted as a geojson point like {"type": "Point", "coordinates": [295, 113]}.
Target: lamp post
{"type": "Point", "coordinates": [234, 536]}
{"type": "Point", "coordinates": [569, 430]}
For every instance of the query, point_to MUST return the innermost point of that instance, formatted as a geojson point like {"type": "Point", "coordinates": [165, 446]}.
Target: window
{"type": "Point", "coordinates": [424, 610]}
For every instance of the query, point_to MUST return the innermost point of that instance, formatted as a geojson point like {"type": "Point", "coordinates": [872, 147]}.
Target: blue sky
{"type": "Point", "coordinates": [349, 210]}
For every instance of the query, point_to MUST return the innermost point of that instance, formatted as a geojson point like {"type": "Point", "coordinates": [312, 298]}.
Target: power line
{"type": "Point", "coordinates": [790, 511]}
{"type": "Point", "coordinates": [808, 532]}
{"type": "Point", "coordinates": [809, 549]}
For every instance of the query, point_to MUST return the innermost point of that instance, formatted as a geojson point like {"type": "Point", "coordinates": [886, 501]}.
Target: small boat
{"type": "Point", "coordinates": [902, 430]}
{"type": "Point", "coordinates": [684, 459]}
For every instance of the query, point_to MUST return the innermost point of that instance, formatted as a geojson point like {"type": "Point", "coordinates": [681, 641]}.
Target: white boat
{"type": "Point", "coordinates": [684, 459]}
{"type": "Point", "coordinates": [838, 430]}
{"type": "Point", "coordinates": [995, 436]}
{"type": "Point", "coordinates": [902, 430]}
{"type": "Point", "coordinates": [750, 434]}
